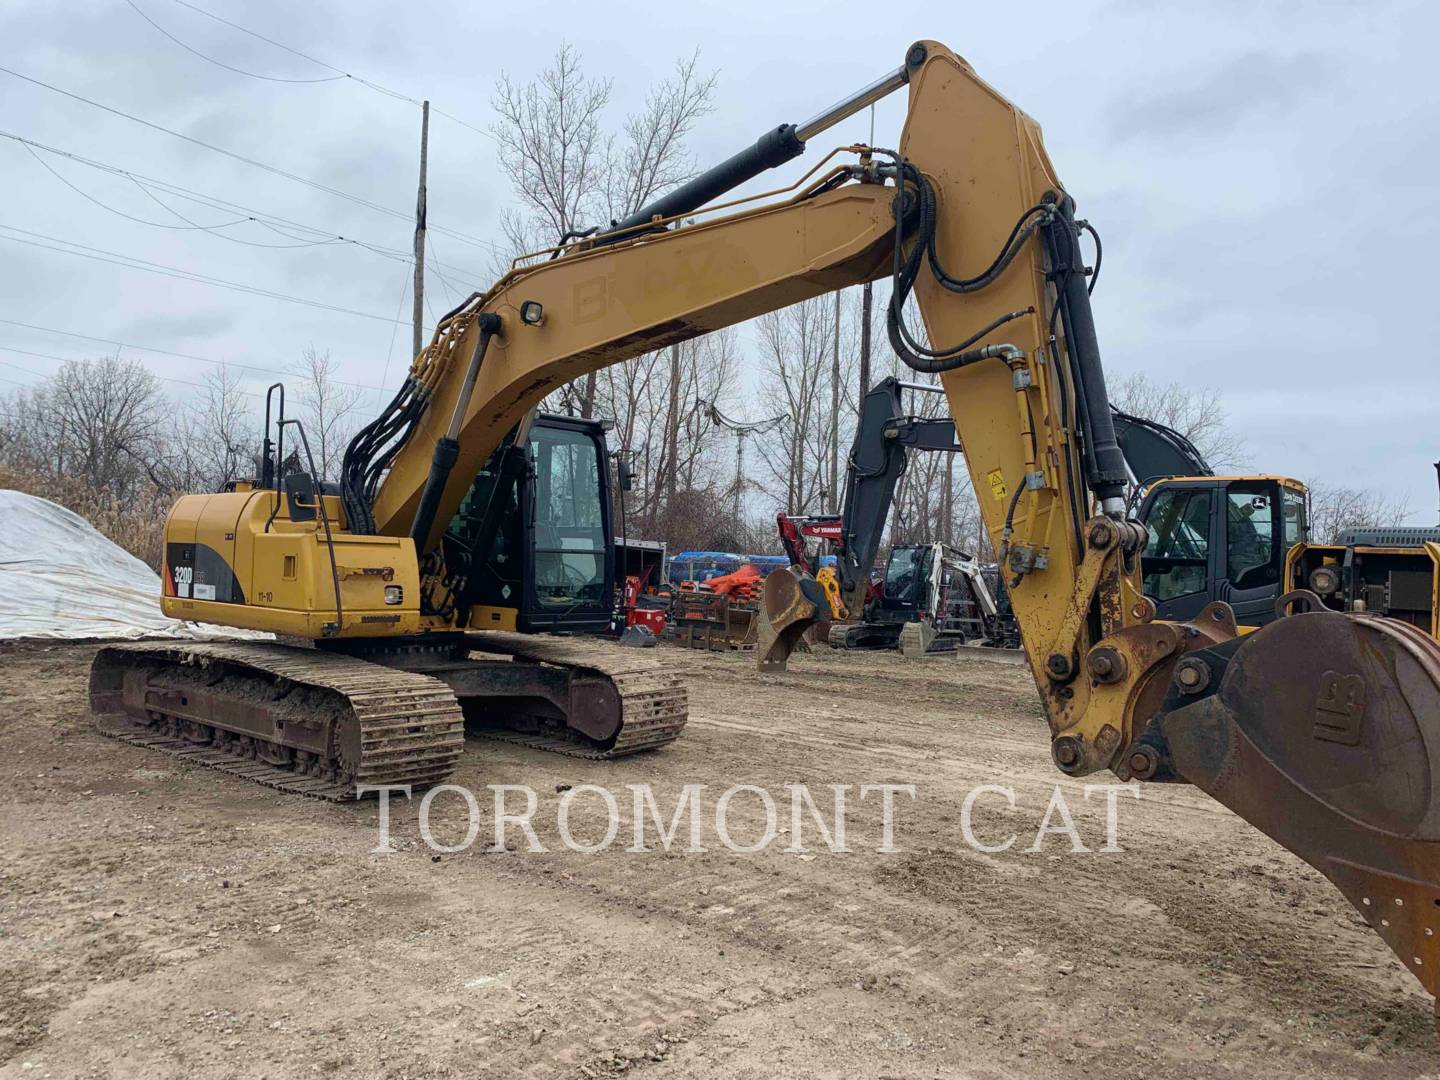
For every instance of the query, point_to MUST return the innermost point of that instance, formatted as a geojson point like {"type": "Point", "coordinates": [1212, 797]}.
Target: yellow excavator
{"type": "Point", "coordinates": [1322, 729]}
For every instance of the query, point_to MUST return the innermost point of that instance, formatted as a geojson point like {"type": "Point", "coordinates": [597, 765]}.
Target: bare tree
{"type": "Point", "coordinates": [1334, 508]}
{"type": "Point", "coordinates": [89, 438]}
{"type": "Point", "coordinates": [796, 345]}
{"type": "Point", "coordinates": [652, 154]}
{"type": "Point", "coordinates": [670, 458]}
{"type": "Point", "coordinates": [1198, 414]}
{"type": "Point", "coordinates": [570, 173]}
{"type": "Point", "coordinates": [553, 147]}
{"type": "Point", "coordinates": [108, 418]}
{"type": "Point", "coordinates": [328, 409]}
{"type": "Point", "coordinates": [27, 436]}
{"type": "Point", "coordinates": [212, 439]}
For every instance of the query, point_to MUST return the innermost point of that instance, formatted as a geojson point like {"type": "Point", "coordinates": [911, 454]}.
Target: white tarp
{"type": "Point", "coordinates": [60, 578]}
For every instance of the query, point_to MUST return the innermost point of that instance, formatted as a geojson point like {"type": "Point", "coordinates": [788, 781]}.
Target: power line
{"type": "Point", "coordinates": [377, 207]}
{"type": "Point", "coordinates": [340, 72]}
{"type": "Point", "coordinates": [131, 263]}
{"type": "Point", "coordinates": [209, 146]}
{"type": "Point", "coordinates": [259, 217]}
{"type": "Point", "coordinates": [214, 230]}
{"type": "Point", "coordinates": [168, 352]}
{"type": "Point", "coordinates": [27, 371]}
{"type": "Point", "coordinates": [221, 63]}
{"type": "Point", "coordinates": [435, 265]}
{"type": "Point", "coordinates": [130, 217]}
{"type": "Point", "coordinates": [390, 351]}
{"type": "Point", "coordinates": [296, 52]}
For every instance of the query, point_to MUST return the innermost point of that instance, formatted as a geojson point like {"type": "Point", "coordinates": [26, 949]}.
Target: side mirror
{"type": "Point", "coordinates": [300, 491]}
{"type": "Point", "coordinates": [626, 470]}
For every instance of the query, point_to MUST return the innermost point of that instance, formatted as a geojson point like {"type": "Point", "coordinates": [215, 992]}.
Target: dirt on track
{"type": "Point", "coordinates": [162, 920]}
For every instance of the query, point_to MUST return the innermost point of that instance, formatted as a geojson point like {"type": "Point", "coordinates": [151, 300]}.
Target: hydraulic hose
{"type": "Point", "coordinates": [447, 447]}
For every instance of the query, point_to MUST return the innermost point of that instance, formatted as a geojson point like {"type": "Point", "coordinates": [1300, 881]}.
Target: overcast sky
{"type": "Point", "coordinates": [1262, 175]}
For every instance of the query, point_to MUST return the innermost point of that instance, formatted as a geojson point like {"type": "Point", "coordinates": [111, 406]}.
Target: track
{"type": "Point", "coordinates": [339, 723]}
{"type": "Point", "coordinates": [351, 723]}
{"type": "Point", "coordinates": [653, 699]}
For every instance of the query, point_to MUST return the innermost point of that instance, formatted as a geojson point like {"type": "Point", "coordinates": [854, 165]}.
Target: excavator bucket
{"type": "Point", "coordinates": [742, 625]}
{"type": "Point", "coordinates": [916, 638]}
{"type": "Point", "coordinates": [1324, 733]}
{"type": "Point", "coordinates": [793, 603]}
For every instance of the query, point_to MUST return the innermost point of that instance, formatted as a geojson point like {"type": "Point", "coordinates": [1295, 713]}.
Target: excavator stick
{"type": "Point", "coordinates": [1322, 730]}
{"type": "Point", "coordinates": [794, 603]}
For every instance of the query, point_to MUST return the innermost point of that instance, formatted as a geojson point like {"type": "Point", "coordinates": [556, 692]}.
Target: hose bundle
{"type": "Point", "coordinates": [917, 204]}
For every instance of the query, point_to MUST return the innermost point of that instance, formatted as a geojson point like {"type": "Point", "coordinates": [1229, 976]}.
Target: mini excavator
{"type": "Point", "coordinates": [1321, 728]}
{"type": "Point", "coordinates": [930, 594]}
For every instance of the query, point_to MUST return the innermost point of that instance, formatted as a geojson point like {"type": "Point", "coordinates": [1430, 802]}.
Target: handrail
{"type": "Point", "coordinates": [325, 520]}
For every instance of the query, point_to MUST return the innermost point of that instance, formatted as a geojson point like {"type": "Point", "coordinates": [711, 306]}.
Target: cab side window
{"type": "Point", "coordinates": [1250, 537]}
{"type": "Point", "coordinates": [1295, 526]}
{"type": "Point", "coordinates": [1178, 547]}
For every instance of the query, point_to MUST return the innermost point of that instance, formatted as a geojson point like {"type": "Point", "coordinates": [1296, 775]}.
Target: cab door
{"type": "Point", "coordinates": [569, 574]}
{"type": "Point", "coordinates": [1177, 563]}
{"type": "Point", "coordinates": [1254, 550]}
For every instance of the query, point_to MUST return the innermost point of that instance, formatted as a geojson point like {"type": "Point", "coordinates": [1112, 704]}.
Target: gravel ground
{"type": "Point", "coordinates": [162, 920]}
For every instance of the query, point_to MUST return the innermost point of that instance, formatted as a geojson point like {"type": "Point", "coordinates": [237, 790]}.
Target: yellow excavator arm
{"type": "Point", "coordinates": [1320, 729]}
{"type": "Point", "coordinates": [590, 308]}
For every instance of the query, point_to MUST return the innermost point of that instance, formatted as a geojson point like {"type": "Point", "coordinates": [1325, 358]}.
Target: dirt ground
{"type": "Point", "coordinates": [163, 920]}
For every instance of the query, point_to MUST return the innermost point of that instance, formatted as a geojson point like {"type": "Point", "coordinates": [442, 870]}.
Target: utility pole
{"type": "Point", "coordinates": [672, 430]}
{"type": "Point", "coordinates": [742, 431]}
{"type": "Point", "coordinates": [947, 499]}
{"type": "Point", "coordinates": [739, 472]}
{"type": "Point", "coordinates": [420, 232]}
{"type": "Point", "coordinates": [835, 413]}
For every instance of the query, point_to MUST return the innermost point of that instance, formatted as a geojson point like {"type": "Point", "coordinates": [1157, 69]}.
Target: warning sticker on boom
{"type": "Point", "coordinates": [996, 479]}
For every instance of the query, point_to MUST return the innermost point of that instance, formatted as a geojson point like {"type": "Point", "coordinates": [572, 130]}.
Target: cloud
{"type": "Point", "coordinates": [196, 325]}
{"type": "Point", "coordinates": [1247, 85]}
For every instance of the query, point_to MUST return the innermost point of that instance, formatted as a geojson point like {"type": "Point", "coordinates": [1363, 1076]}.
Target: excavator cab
{"type": "Point", "coordinates": [1220, 538]}
{"type": "Point", "coordinates": [550, 566]}
{"type": "Point", "coordinates": [909, 581]}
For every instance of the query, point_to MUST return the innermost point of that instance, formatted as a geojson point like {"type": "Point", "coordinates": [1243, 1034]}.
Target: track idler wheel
{"type": "Point", "coordinates": [793, 603]}
{"type": "Point", "coordinates": [1325, 735]}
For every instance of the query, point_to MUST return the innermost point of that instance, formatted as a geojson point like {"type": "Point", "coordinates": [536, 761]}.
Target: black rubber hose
{"type": "Point", "coordinates": [919, 197]}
